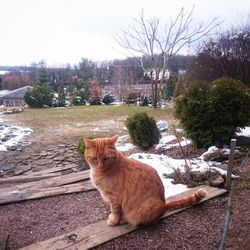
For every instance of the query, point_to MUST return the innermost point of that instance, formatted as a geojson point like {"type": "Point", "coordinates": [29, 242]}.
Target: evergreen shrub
{"type": "Point", "coordinates": [143, 130]}
{"type": "Point", "coordinates": [81, 147]}
{"type": "Point", "coordinates": [212, 113]}
{"type": "Point", "coordinates": [40, 96]}
{"type": "Point", "coordinates": [108, 99]}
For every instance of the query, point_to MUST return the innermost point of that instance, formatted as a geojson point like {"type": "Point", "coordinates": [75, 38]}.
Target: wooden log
{"type": "Point", "coordinates": [29, 194]}
{"type": "Point", "coordinates": [98, 233]}
{"type": "Point", "coordinates": [3, 240]}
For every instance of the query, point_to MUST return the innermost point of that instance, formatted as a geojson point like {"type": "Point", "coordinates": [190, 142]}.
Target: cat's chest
{"type": "Point", "coordinates": [100, 183]}
{"type": "Point", "coordinates": [97, 179]}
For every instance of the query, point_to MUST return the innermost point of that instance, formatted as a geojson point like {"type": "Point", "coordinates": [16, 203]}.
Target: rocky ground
{"type": "Point", "coordinates": [21, 160]}
{"type": "Point", "coordinates": [197, 228]}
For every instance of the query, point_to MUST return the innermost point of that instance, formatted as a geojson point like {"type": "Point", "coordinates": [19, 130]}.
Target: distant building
{"type": "Point", "coordinates": [15, 98]}
{"type": "Point", "coordinates": [153, 73]}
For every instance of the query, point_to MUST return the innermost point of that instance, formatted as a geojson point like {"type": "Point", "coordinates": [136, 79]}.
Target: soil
{"type": "Point", "coordinates": [199, 227]}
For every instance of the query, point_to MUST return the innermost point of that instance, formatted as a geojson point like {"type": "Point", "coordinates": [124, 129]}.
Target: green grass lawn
{"type": "Point", "coordinates": [71, 116]}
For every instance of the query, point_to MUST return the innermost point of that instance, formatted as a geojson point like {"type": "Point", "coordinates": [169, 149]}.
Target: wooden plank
{"type": "Point", "coordinates": [51, 182]}
{"type": "Point", "coordinates": [27, 178]}
{"type": "Point", "coordinates": [51, 170]}
{"type": "Point", "coordinates": [98, 233]}
{"type": "Point", "coordinates": [39, 175]}
{"type": "Point", "coordinates": [47, 187]}
{"type": "Point", "coordinates": [29, 194]}
{"type": "Point", "coordinates": [3, 240]}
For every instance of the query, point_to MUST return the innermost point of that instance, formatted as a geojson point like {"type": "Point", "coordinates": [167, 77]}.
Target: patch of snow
{"type": "Point", "coordinates": [179, 130]}
{"type": "Point", "coordinates": [214, 149]}
{"type": "Point", "coordinates": [122, 145]}
{"type": "Point", "coordinates": [165, 165]}
{"type": "Point", "coordinates": [11, 135]}
{"type": "Point", "coordinates": [162, 125]}
{"type": "Point", "coordinates": [164, 142]}
{"type": "Point", "coordinates": [244, 132]}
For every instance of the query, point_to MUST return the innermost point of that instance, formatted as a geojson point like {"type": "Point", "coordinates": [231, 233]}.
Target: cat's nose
{"type": "Point", "coordinates": [100, 165]}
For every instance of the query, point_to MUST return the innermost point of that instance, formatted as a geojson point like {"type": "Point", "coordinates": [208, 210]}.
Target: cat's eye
{"type": "Point", "coordinates": [108, 158]}
{"type": "Point", "coordinates": [94, 158]}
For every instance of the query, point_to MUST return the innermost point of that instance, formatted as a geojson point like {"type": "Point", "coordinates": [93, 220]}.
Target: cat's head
{"type": "Point", "coordinates": [100, 153]}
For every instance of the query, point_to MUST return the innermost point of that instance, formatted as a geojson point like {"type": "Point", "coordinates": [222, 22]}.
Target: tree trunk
{"type": "Point", "coordinates": [154, 94]}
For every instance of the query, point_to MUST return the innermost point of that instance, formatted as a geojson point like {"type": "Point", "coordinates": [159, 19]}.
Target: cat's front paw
{"type": "Point", "coordinates": [112, 221]}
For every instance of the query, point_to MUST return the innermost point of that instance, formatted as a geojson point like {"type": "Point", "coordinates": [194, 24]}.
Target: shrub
{"type": "Point", "coordinates": [146, 101]}
{"type": "Point", "coordinates": [81, 147]}
{"type": "Point", "coordinates": [169, 88]}
{"type": "Point", "coordinates": [95, 101]}
{"type": "Point", "coordinates": [108, 99]}
{"type": "Point", "coordinates": [143, 130]}
{"type": "Point", "coordinates": [40, 96]}
{"type": "Point", "coordinates": [212, 113]}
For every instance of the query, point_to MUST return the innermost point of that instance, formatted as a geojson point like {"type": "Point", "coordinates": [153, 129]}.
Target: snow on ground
{"type": "Point", "coordinates": [165, 165]}
{"type": "Point", "coordinates": [122, 145]}
{"type": "Point", "coordinates": [164, 142]}
{"type": "Point", "coordinates": [214, 149]}
{"type": "Point", "coordinates": [11, 135]}
{"type": "Point", "coordinates": [244, 132]}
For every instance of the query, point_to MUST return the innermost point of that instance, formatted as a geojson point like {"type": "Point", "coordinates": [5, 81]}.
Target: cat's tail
{"type": "Point", "coordinates": [186, 201]}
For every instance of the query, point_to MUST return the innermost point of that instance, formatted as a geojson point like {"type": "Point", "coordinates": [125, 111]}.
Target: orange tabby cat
{"type": "Point", "coordinates": [133, 189]}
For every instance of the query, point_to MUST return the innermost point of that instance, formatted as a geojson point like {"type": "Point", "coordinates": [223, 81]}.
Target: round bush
{"type": "Point", "coordinates": [143, 130]}
{"type": "Point", "coordinates": [41, 95]}
{"type": "Point", "coordinates": [212, 113]}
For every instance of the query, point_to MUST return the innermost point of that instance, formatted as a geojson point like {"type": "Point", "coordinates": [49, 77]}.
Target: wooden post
{"type": "Point", "coordinates": [230, 164]}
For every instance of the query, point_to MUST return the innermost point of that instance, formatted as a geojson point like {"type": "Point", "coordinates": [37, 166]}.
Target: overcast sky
{"type": "Point", "coordinates": [64, 31]}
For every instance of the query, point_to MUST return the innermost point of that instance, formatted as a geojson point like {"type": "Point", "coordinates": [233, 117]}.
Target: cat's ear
{"type": "Point", "coordinates": [88, 142]}
{"type": "Point", "coordinates": [113, 139]}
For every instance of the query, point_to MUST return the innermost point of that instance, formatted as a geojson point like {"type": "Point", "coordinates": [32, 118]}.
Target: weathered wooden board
{"type": "Point", "coordinates": [38, 175]}
{"type": "Point", "coordinates": [56, 181]}
{"type": "Point", "coordinates": [53, 170]}
{"type": "Point", "coordinates": [3, 240]}
{"type": "Point", "coordinates": [29, 194]}
{"type": "Point", "coordinates": [47, 187]}
{"type": "Point", "coordinates": [98, 233]}
{"type": "Point", "coordinates": [27, 178]}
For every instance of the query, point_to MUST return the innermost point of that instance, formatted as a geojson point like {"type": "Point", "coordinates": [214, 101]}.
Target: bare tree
{"type": "Point", "coordinates": [226, 55]}
{"type": "Point", "coordinates": [148, 39]}
{"type": "Point", "coordinates": [121, 79]}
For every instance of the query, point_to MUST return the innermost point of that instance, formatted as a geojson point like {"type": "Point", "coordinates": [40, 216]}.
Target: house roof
{"type": "Point", "coordinates": [17, 93]}
{"type": "Point", "coordinates": [3, 92]}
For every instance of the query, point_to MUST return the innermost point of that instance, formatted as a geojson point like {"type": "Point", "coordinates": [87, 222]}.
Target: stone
{"type": "Point", "coordinates": [216, 181]}
{"type": "Point", "coordinates": [71, 159]}
{"type": "Point", "coordinates": [7, 166]}
{"type": "Point", "coordinates": [59, 158]}
{"type": "Point", "coordinates": [22, 157]}
{"type": "Point", "coordinates": [44, 162]}
{"type": "Point", "coordinates": [21, 169]}
{"type": "Point", "coordinates": [43, 153]}
{"type": "Point", "coordinates": [36, 157]}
